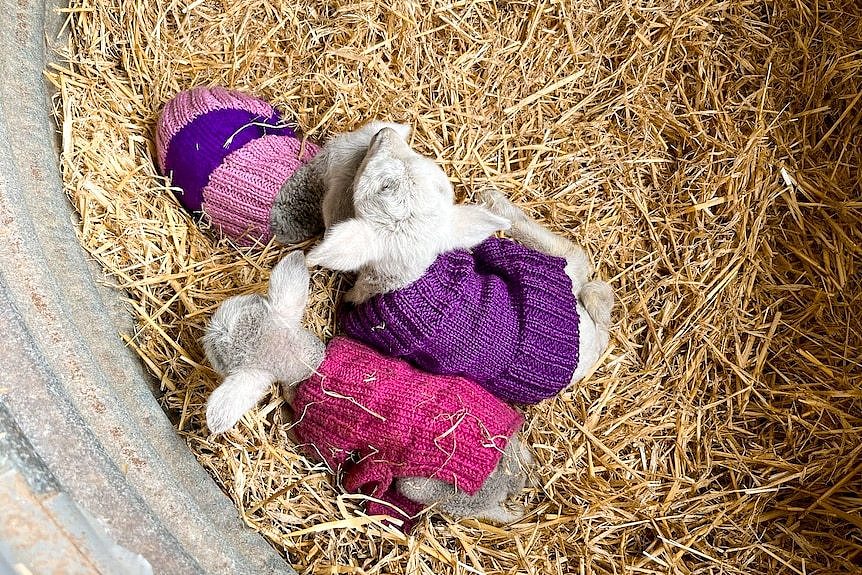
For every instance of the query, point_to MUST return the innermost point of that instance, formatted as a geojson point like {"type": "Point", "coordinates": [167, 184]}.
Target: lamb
{"type": "Point", "coordinates": [433, 287]}
{"type": "Point", "coordinates": [399, 435]}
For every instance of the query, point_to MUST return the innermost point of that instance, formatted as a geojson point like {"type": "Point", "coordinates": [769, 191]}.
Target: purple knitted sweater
{"type": "Point", "coordinates": [503, 316]}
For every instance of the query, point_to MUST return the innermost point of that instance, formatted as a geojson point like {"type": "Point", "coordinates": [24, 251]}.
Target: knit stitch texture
{"type": "Point", "coordinates": [242, 189]}
{"type": "Point", "coordinates": [503, 316]}
{"type": "Point", "coordinates": [183, 108]}
{"type": "Point", "coordinates": [228, 155]}
{"type": "Point", "coordinates": [202, 145]}
{"type": "Point", "coordinates": [374, 419]}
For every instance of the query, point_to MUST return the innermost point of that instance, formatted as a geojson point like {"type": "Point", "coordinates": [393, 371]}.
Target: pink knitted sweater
{"type": "Point", "coordinates": [373, 419]}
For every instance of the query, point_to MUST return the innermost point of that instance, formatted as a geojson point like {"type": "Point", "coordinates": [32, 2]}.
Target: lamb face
{"type": "Point", "coordinates": [404, 218]}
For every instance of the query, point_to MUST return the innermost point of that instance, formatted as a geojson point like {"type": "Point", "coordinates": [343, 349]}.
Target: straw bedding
{"type": "Point", "coordinates": [706, 152]}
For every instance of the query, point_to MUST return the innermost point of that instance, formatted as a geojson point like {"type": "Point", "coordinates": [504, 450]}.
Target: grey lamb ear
{"type": "Point", "coordinates": [424, 490]}
{"type": "Point", "coordinates": [288, 288]}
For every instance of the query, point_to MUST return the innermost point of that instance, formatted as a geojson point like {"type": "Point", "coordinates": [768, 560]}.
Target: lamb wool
{"type": "Point", "coordinates": [229, 156]}
{"type": "Point", "coordinates": [502, 315]}
{"type": "Point", "coordinates": [374, 419]}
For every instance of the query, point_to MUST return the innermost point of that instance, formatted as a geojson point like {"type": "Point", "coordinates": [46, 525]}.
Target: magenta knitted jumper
{"type": "Point", "coordinates": [373, 419]}
{"type": "Point", "coordinates": [502, 315]}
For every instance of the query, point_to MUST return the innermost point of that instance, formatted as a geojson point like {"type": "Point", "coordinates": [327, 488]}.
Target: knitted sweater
{"type": "Point", "coordinates": [503, 316]}
{"type": "Point", "coordinates": [231, 156]}
{"type": "Point", "coordinates": [374, 419]}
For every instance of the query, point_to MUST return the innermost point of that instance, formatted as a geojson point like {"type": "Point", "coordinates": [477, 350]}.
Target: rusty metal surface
{"type": "Point", "coordinates": [79, 398]}
{"type": "Point", "coordinates": [42, 529]}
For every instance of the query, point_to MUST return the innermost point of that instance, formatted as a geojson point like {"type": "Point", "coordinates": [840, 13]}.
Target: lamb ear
{"type": "Point", "coordinates": [288, 287]}
{"type": "Point", "coordinates": [402, 129]}
{"type": "Point", "coordinates": [386, 140]}
{"type": "Point", "coordinates": [240, 392]}
{"type": "Point", "coordinates": [346, 247]}
{"type": "Point", "coordinates": [474, 224]}
{"type": "Point", "coordinates": [375, 126]}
